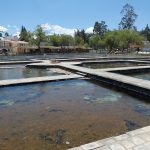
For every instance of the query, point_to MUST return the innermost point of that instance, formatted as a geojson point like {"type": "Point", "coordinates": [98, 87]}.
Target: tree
{"type": "Point", "coordinates": [6, 34]}
{"type": "Point", "coordinates": [39, 36]}
{"type": "Point", "coordinates": [111, 40]}
{"type": "Point", "coordinates": [122, 39]}
{"type": "Point", "coordinates": [1, 35]}
{"type": "Point", "coordinates": [66, 40]}
{"type": "Point", "coordinates": [95, 41]}
{"type": "Point", "coordinates": [100, 28]}
{"type": "Point", "coordinates": [146, 32]}
{"type": "Point", "coordinates": [79, 41]}
{"type": "Point", "coordinates": [24, 34]}
{"type": "Point", "coordinates": [54, 40]}
{"type": "Point", "coordinates": [129, 17]}
{"type": "Point", "coordinates": [83, 35]}
{"type": "Point", "coordinates": [31, 38]}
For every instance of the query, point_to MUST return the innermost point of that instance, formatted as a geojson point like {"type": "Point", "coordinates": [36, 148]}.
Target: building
{"type": "Point", "coordinates": [146, 46]}
{"type": "Point", "coordinates": [12, 45]}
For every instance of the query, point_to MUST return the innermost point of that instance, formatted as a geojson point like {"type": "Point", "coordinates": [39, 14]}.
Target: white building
{"type": "Point", "coordinates": [146, 46]}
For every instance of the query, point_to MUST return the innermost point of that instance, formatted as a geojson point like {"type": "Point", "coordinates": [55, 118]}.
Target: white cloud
{"type": "Point", "coordinates": [3, 29]}
{"type": "Point", "coordinates": [17, 34]}
{"type": "Point", "coordinates": [89, 30]}
{"type": "Point", "coordinates": [51, 29]}
{"type": "Point", "coordinates": [46, 26]}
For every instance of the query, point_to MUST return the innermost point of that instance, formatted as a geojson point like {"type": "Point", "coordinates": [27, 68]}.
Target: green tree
{"type": "Point", "coordinates": [54, 40]}
{"type": "Point", "coordinates": [146, 32]}
{"type": "Point", "coordinates": [100, 28]}
{"type": "Point", "coordinates": [39, 36]}
{"type": "Point", "coordinates": [129, 17]}
{"type": "Point", "coordinates": [1, 35]}
{"type": "Point", "coordinates": [79, 41]}
{"type": "Point", "coordinates": [66, 40]}
{"type": "Point", "coordinates": [6, 34]}
{"type": "Point", "coordinates": [111, 40]}
{"type": "Point", "coordinates": [83, 35]}
{"type": "Point", "coordinates": [31, 38]}
{"type": "Point", "coordinates": [94, 41]}
{"type": "Point", "coordinates": [122, 39]}
{"type": "Point", "coordinates": [24, 34]}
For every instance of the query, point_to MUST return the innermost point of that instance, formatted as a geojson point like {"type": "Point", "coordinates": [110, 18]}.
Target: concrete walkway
{"type": "Point", "coordinates": [19, 62]}
{"type": "Point", "coordinates": [135, 140]}
{"type": "Point", "coordinates": [37, 80]}
{"type": "Point", "coordinates": [130, 83]}
{"type": "Point", "coordinates": [120, 69]}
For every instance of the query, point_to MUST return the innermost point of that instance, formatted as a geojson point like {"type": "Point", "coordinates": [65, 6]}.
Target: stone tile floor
{"type": "Point", "coordinates": [134, 140]}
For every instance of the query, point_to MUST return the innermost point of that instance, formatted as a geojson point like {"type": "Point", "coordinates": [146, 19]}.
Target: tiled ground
{"type": "Point", "coordinates": [135, 140]}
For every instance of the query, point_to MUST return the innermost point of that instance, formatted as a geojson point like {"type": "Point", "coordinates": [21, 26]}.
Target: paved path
{"type": "Point", "coordinates": [37, 79]}
{"type": "Point", "coordinates": [125, 68]}
{"type": "Point", "coordinates": [135, 140]}
{"type": "Point", "coordinates": [130, 83]}
{"type": "Point", "coordinates": [19, 62]}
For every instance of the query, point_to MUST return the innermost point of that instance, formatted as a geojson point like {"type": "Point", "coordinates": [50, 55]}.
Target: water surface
{"type": "Point", "coordinates": [20, 71]}
{"type": "Point", "coordinates": [141, 75]}
{"type": "Point", "coordinates": [111, 65]}
{"type": "Point", "coordinates": [60, 115]}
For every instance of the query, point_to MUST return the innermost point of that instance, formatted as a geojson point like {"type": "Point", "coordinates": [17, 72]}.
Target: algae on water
{"type": "Point", "coordinates": [7, 102]}
{"type": "Point", "coordinates": [109, 97]}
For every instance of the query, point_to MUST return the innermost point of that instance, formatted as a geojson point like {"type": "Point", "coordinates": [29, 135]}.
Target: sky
{"type": "Point", "coordinates": [65, 16]}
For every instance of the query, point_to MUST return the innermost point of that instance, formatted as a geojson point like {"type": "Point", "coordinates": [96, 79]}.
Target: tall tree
{"type": "Point", "coordinates": [54, 40]}
{"type": "Point", "coordinates": [129, 17]}
{"type": "Point", "coordinates": [122, 39]}
{"type": "Point", "coordinates": [82, 34]}
{"type": "Point", "coordinates": [39, 36]}
{"type": "Point", "coordinates": [94, 41]}
{"type": "Point", "coordinates": [100, 28]}
{"type": "Point", "coordinates": [24, 34]}
{"type": "Point", "coordinates": [1, 35]}
{"type": "Point", "coordinates": [6, 34]}
{"type": "Point", "coordinates": [66, 40]}
{"type": "Point", "coordinates": [146, 32]}
{"type": "Point", "coordinates": [79, 41]}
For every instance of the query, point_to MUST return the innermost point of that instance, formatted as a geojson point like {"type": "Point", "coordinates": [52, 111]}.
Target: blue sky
{"type": "Point", "coordinates": [68, 15]}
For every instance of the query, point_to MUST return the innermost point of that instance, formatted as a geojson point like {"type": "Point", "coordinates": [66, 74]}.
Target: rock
{"type": "Point", "coordinates": [67, 142]}
{"type": "Point", "coordinates": [131, 125]}
{"type": "Point", "coordinates": [59, 136]}
{"type": "Point", "coordinates": [46, 136]}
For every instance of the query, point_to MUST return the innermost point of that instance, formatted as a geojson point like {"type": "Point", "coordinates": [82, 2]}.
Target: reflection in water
{"type": "Point", "coordinates": [64, 114]}
{"type": "Point", "coordinates": [19, 71]}
{"type": "Point", "coordinates": [111, 65]}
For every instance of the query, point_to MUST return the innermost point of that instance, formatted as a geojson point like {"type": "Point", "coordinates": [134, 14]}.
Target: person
{"type": "Point", "coordinates": [138, 49]}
